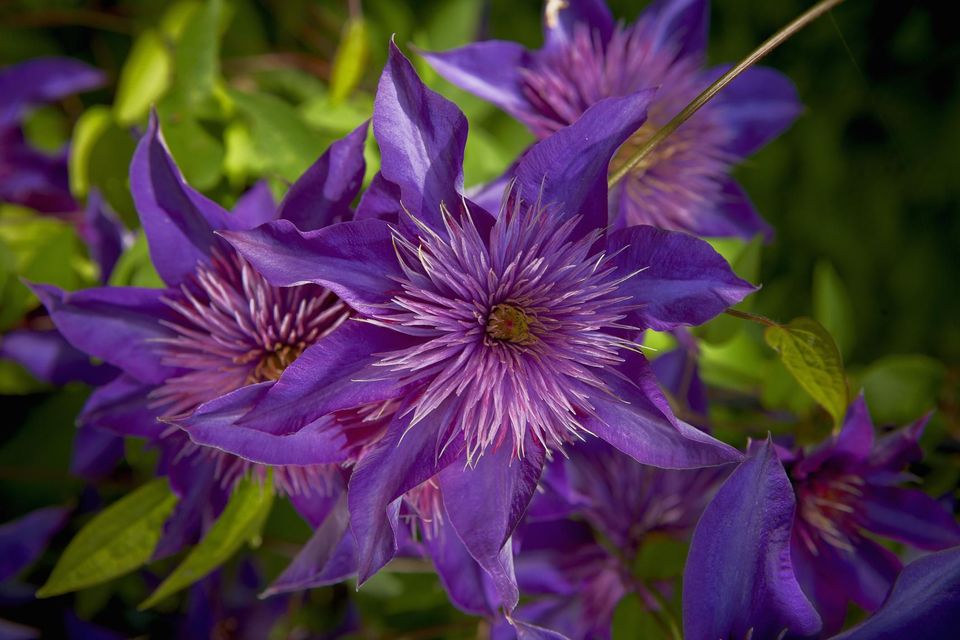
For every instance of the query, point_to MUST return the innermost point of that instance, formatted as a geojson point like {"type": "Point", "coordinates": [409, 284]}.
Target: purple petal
{"type": "Point", "coordinates": [568, 170]}
{"type": "Point", "coordinates": [678, 373]}
{"type": "Point", "coordinates": [122, 407]}
{"type": "Point", "coordinates": [679, 279]}
{"type": "Point", "coordinates": [103, 233]}
{"type": "Point", "coordinates": [488, 69]}
{"type": "Point", "coordinates": [854, 443]}
{"type": "Point", "coordinates": [178, 220]}
{"type": "Point", "coordinates": [636, 419]}
{"type": "Point", "coordinates": [421, 136]}
{"type": "Point", "coordinates": [924, 603]}
{"type": "Point", "coordinates": [96, 452]}
{"type": "Point", "coordinates": [561, 19]}
{"type": "Point", "coordinates": [739, 578]}
{"type": "Point", "coordinates": [756, 107]}
{"type": "Point", "coordinates": [327, 558]}
{"type": "Point", "coordinates": [43, 80]}
{"type": "Point", "coordinates": [322, 195]}
{"type": "Point", "coordinates": [404, 458]}
{"type": "Point", "coordinates": [23, 540]}
{"type": "Point", "coordinates": [255, 207]}
{"type": "Point", "coordinates": [910, 516]}
{"type": "Point", "coordinates": [50, 358]}
{"type": "Point", "coordinates": [214, 424]}
{"type": "Point", "coordinates": [731, 215]}
{"type": "Point", "coordinates": [333, 374]}
{"type": "Point", "coordinates": [115, 324]}
{"type": "Point", "coordinates": [355, 260]}
{"type": "Point", "coordinates": [462, 577]}
{"type": "Point", "coordinates": [681, 26]}
{"type": "Point", "coordinates": [32, 178]}
{"type": "Point", "coordinates": [381, 200]}
{"type": "Point", "coordinates": [896, 450]}
{"type": "Point", "coordinates": [315, 506]}
{"type": "Point", "coordinates": [486, 502]}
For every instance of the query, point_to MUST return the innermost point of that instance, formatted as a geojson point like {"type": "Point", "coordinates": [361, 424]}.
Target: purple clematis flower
{"type": "Point", "coordinates": [218, 327]}
{"type": "Point", "coordinates": [685, 183]}
{"type": "Point", "coordinates": [740, 580]}
{"type": "Point", "coordinates": [847, 492]}
{"type": "Point", "coordinates": [501, 338]}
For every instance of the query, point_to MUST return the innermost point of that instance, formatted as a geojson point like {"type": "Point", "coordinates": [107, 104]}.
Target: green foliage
{"type": "Point", "coordinates": [350, 61]}
{"type": "Point", "coordinates": [831, 305]}
{"type": "Point", "coordinates": [119, 539]}
{"type": "Point", "coordinates": [899, 389]}
{"type": "Point", "coordinates": [134, 268]}
{"type": "Point", "coordinates": [145, 77]}
{"type": "Point", "coordinates": [240, 522]}
{"type": "Point", "coordinates": [809, 353]}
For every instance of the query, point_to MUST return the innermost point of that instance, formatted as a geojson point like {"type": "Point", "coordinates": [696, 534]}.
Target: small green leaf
{"type": "Point", "coordinates": [350, 60]}
{"type": "Point", "coordinates": [811, 356]}
{"type": "Point", "coordinates": [145, 77]}
{"type": "Point", "coordinates": [118, 540]}
{"type": "Point", "coordinates": [240, 522]}
{"type": "Point", "coordinates": [90, 126]}
{"type": "Point", "coordinates": [831, 305]}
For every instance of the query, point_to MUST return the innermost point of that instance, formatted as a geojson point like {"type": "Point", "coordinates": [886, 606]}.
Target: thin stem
{"type": "Point", "coordinates": [752, 317]}
{"type": "Point", "coordinates": [771, 43]}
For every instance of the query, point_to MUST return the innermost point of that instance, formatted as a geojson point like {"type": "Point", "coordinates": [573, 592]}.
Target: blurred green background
{"type": "Point", "coordinates": [863, 191]}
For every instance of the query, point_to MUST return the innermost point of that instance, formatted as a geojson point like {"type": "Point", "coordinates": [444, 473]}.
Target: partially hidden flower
{"type": "Point", "coordinates": [217, 327]}
{"type": "Point", "coordinates": [685, 183]}
{"type": "Point", "coordinates": [501, 338]}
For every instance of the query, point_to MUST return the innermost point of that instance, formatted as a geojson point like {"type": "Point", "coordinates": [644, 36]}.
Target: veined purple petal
{"type": "Point", "coordinates": [403, 459]}
{"type": "Point", "coordinates": [488, 69]}
{"type": "Point", "coordinates": [322, 195]}
{"type": "Point", "coordinates": [122, 407]}
{"type": "Point", "coordinates": [23, 540]}
{"type": "Point", "coordinates": [255, 207]}
{"type": "Point", "coordinates": [739, 580]}
{"type": "Point", "coordinates": [679, 279]}
{"type": "Point", "coordinates": [421, 136]}
{"type": "Point", "coordinates": [178, 220]}
{"type": "Point", "coordinates": [43, 80]}
{"type": "Point", "coordinates": [561, 17]}
{"type": "Point", "coordinates": [116, 324]}
{"type": "Point", "coordinates": [680, 26]}
{"type": "Point", "coordinates": [486, 502]}
{"type": "Point", "coordinates": [355, 260]}
{"type": "Point", "coordinates": [567, 171]}
{"type": "Point", "coordinates": [910, 516]}
{"type": "Point", "coordinates": [756, 108]}
{"type": "Point", "coordinates": [924, 603]}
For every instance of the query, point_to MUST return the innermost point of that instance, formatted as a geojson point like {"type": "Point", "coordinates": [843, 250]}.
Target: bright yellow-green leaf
{"type": "Point", "coordinates": [119, 539]}
{"type": "Point", "coordinates": [810, 354]}
{"type": "Point", "coordinates": [197, 55]}
{"type": "Point", "coordinates": [240, 522]}
{"type": "Point", "coordinates": [177, 17]}
{"type": "Point", "coordinates": [145, 78]}
{"type": "Point", "coordinates": [350, 59]}
{"type": "Point", "coordinates": [90, 126]}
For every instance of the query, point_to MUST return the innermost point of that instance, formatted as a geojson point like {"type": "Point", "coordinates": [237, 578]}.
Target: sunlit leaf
{"type": "Point", "coordinates": [145, 77]}
{"type": "Point", "coordinates": [118, 540]}
{"type": "Point", "coordinates": [240, 522]}
{"type": "Point", "coordinates": [810, 354]}
{"type": "Point", "coordinates": [88, 130]}
{"type": "Point", "coordinates": [197, 54]}
{"type": "Point", "coordinates": [350, 60]}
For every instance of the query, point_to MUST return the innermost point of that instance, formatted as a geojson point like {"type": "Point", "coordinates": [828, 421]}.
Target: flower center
{"type": "Point", "coordinates": [510, 324]}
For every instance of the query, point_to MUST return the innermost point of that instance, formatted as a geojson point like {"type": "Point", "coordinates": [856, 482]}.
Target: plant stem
{"type": "Point", "coordinates": [752, 317]}
{"type": "Point", "coordinates": [769, 45]}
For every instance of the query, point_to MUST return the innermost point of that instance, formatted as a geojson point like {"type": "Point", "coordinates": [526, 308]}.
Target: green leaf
{"type": "Point", "coordinates": [831, 305]}
{"type": "Point", "coordinates": [198, 153]}
{"type": "Point", "coordinates": [350, 60]}
{"type": "Point", "coordinates": [899, 389]}
{"type": "Point", "coordinates": [240, 522]}
{"type": "Point", "coordinates": [145, 77]}
{"type": "Point", "coordinates": [134, 268]}
{"type": "Point", "coordinates": [660, 558]}
{"type": "Point", "coordinates": [631, 620]}
{"type": "Point", "coordinates": [811, 356]}
{"type": "Point", "coordinates": [89, 128]}
{"type": "Point", "coordinates": [197, 55]}
{"type": "Point", "coordinates": [118, 540]}
{"type": "Point", "coordinates": [744, 259]}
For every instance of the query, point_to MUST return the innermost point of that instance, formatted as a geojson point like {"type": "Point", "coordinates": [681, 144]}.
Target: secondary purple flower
{"type": "Point", "coordinates": [847, 493]}
{"type": "Point", "coordinates": [685, 183]}
{"type": "Point", "coordinates": [218, 327]}
{"type": "Point", "coordinates": [502, 338]}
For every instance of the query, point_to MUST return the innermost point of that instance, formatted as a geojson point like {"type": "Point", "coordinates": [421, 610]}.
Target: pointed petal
{"type": "Point", "coordinates": [681, 26]}
{"type": "Point", "coordinates": [104, 234]}
{"type": "Point", "coordinates": [322, 195]}
{"type": "Point", "coordinates": [333, 374]}
{"type": "Point", "coordinates": [490, 70]}
{"type": "Point", "coordinates": [403, 459]}
{"type": "Point", "coordinates": [460, 574]}
{"type": "Point", "coordinates": [896, 450]}
{"type": "Point", "coordinates": [421, 136]}
{"type": "Point", "coordinates": [910, 516]}
{"type": "Point", "coordinates": [486, 502]}
{"type": "Point", "coordinates": [732, 215]}
{"type": "Point", "coordinates": [562, 18]}
{"type": "Point", "coordinates": [23, 540]}
{"type": "Point", "coordinates": [179, 221]}
{"type": "Point", "coordinates": [739, 577]}
{"type": "Point", "coordinates": [254, 207]}
{"type": "Point", "coordinates": [568, 170]}
{"type": "Point", "coordinates": [122, 407]}
{"type": "Point", "coordinates": [756, 108]}
{"type": "Point", "coordinates": [683, 280]}
{"type": "Point", "coordinates": [355, 260]}
{"type": "Point", "coordinates": [50, 358]}
{"type": "Point", "coordinates": [636, 419]}
{"type": "Point", "coordinates": [43, 80]}
{"type": "Point", "coordinates": [115, 324]}
{"type": "Point", "coordinates": [381, 200]}
{"type": "Point", "coordinates": [924, 603]}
